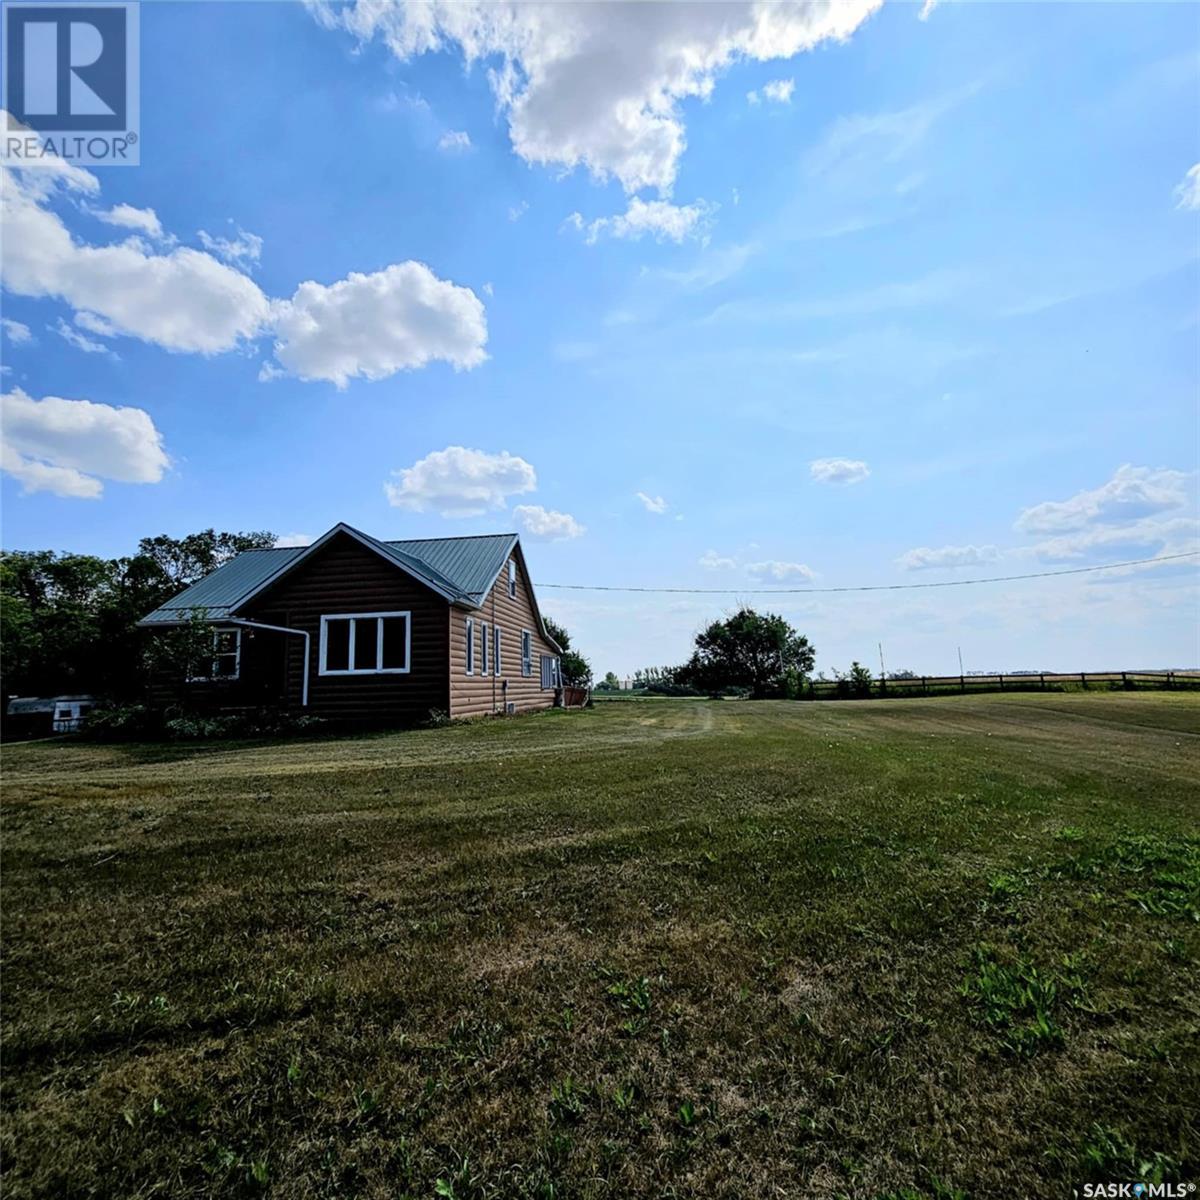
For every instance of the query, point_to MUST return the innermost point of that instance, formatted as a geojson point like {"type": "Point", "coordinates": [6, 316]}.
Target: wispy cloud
{"type": "Point", "coordinates": [861, 143]}
{"type": "Point", "coordinates": [80, 341]}
{"type": "Point", "coordinates": [652, 504]}
{"type": "Point", "coordinates": [1187, 193]}
{"type": "Point", "coordinates": [454, 141]}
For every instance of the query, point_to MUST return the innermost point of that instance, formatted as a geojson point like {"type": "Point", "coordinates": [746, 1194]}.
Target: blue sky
{"type": "Point", "coordinates": [693, 297]}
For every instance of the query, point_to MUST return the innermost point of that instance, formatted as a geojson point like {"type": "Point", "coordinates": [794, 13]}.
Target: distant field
{"type": "Point", "coordinates": [930, 948]}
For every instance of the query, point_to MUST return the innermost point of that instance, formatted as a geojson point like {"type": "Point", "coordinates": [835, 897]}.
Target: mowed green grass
{"type": "Point", "coordinates": [668, 949]}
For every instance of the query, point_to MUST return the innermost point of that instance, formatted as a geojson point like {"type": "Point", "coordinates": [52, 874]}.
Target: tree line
{"type": "Point", "coordinates": [68, 622]}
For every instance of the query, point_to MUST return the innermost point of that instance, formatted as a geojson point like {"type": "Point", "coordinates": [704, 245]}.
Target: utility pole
{"type": "Point", "coordinates": [960, 669]}
{"type": "Point", "coordinates": [882, 672]}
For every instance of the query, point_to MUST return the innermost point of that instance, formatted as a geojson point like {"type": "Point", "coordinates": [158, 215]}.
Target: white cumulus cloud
{"type": "Point", "coordinates": [779, 91]}
{"type": "Point", "coordinates": [600, 85]}
{"type": "Point", "coordinates": [1131, 494]}
{"type": "Point", "coordinates": [710, 560]}
{"type": "Point", "coordinates": [458, 482]}
{"type": "Point", "coordinates": [658, 219]}
{"type": "Point", "coordinates": [371, 326]}
{"type": "Point", "coordinates": [454, 141]}
{"type": "Point", "coordinates": [838, 470]}
{"type": "Point", "coordinates": [69, 446]}
{"type": "Point", "coordinates": [654, 504]}
{"type": "Point", "coordinates": [546, 524]}
{"type": "Point", "coordinates": [294, 539]}
{"type": "Point", "coordinates": [925, 558]}
{"type": "Point", "coordinates": [189, 300]}
{"type": "Point", "coordinates": [183, 300]}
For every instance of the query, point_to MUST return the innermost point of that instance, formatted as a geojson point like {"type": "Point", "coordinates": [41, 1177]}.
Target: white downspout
{"type": "Point", "coordinates": [281, 629]}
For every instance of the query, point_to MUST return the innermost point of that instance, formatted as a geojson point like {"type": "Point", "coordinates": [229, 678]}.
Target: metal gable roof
{"type": "Point", "coordinates": [471, 563]}
{"type": "Point", "coordinates": [219, 593]}
{"type": "Point", "coordinates": [461, 569]}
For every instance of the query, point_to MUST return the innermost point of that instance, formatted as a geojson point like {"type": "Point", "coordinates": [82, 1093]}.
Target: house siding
{"type": "Point", "coordinates": [478, 695]}
{"type": "Point", "coordinates": [345, 576]}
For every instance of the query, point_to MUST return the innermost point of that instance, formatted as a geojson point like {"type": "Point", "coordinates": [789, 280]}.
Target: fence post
{"type": "Point", "coordinates": [1001, 678]}
{"type": "Point", "coordinates": [1082, 679]}
{"type": "Point", "coordinates": [1170, 679]}
{"type": "Point", "coordinates": [924, 685]}
{"type": "Point", "coordinates": [962, 683]}
{"type": "Point", "coordinates": [1043, 679]}
{"type": "Point", "coordinates": [1124, 680]}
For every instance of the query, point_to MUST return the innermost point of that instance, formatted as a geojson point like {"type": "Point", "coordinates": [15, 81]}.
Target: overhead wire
{"type": "Point", "coordinates": [876, 587]}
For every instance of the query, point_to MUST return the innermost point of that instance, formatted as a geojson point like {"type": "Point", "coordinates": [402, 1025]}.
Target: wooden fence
{"type": "Point", "coordinates": [942, 685]}
{"type": "Point", "coordinates": [937, 685]}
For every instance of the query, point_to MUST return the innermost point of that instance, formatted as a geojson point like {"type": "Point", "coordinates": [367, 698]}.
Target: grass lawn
{"type": "Point", "coordinates": [920, 948]}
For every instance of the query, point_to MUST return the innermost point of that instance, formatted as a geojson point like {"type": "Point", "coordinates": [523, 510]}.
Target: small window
{"type": "Point", "coordinates": [496, 664]}
{"type": "Point", "coordinates": [470, 646]}
{"type": "Point", "coordinates": [483, 648]}
{"type": "Point", "coordinates": [226, 659]}
{"type": "Point", "coordinates": [512, 576]}
{"type": "Point", "coordinates": [526, 652]}
{"type": "Point", "coordinates": [549, 671]}
{"type": "Point", "coordinates": [365, 644]}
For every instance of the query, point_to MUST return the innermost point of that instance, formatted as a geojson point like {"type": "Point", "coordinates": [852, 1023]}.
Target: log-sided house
{"type": "Point", "coordinates": [362, 631]}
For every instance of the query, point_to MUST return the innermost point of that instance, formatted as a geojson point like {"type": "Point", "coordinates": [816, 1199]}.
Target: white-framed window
{"type": "Point", "coordinates": [365, 643]}
{"type": "Point", "coordinates": [470, 645]}
{"type": "Point", "coordinates": [550, 674]}
{"type": "Point", "coordinates": [512, 576]}
{"type": "Point", "coordinates": [225, 662]}
{"type": "Point", "coordinates": [526, 652]}
{"type": "Point", "coordinates": [497, 660]}
{"type": "Point", "coordinates": [483, 647]}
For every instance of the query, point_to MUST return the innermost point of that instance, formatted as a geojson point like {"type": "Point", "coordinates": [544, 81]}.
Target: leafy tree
{"type": "Point", "coordinates": [68, 622]}
{"type": "Point", "coordinates": [576, 670]}
{"type": "Point", "coordinates": [859, 680]}
{"type": "Point", "coordinates": [610, 683]}
{"type": "Point", "coordinates": [757, 651]}
{"type": "Point", "coordinates": [185, 560]}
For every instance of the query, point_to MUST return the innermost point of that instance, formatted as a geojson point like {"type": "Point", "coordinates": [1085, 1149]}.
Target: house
{"type": "Point", "coordinates": [362, 631]}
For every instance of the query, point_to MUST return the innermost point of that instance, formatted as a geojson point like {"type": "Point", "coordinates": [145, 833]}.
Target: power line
{"type": "Point", "coordinates": [878, 587]}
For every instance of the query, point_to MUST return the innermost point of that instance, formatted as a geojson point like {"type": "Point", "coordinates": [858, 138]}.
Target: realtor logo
{"type": "Point", "coordinates": [71, 83]}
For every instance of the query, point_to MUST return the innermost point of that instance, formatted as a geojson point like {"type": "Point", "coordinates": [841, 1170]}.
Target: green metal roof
{"type": "Point", "coordinates": [472, 563]}
{"type": "Point", "coordinates": [461, 569]}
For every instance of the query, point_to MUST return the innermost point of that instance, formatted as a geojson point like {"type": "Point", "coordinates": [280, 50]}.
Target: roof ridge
{"type": "Point", "coordinates": [466, 537]}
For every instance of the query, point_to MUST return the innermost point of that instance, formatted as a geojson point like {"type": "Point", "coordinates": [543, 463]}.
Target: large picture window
{"type": "Point", "coordinates": [365, 643]}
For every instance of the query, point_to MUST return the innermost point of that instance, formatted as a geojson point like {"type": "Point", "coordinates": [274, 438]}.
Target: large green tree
{"type": "Point", "coordinates": [576, 670]}
{"type": "Point", "coordinates": [68, 621]}
{"type": "Point", "coordinates": [758, 651]}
